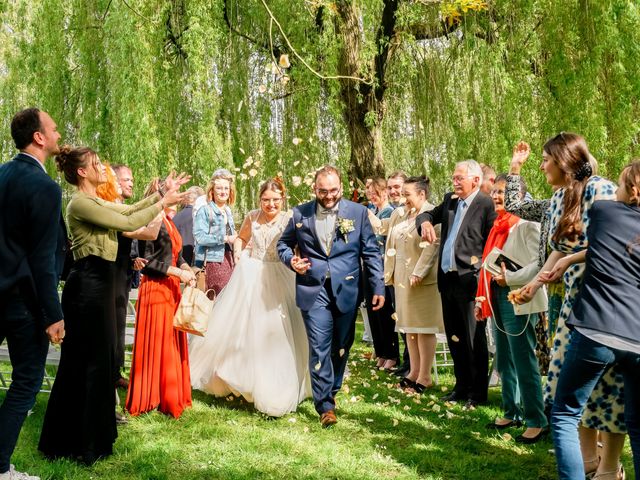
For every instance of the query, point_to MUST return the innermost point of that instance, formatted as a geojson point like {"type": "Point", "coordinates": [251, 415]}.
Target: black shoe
{"type": "Point", "coordinates": [454, 397]}
{"type": "Point", "coordinates": [406, 383]}
{"type": "Point", "coordinates": [531, 440]}
{"type": "Point", "coordinates": [470, 405]}
{"type": "Point", "coordinates": [400, 371]}
{"type": "Point", "coordinates": [496, 426]}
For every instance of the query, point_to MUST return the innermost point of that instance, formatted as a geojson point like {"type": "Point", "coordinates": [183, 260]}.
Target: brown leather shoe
{"type": "Point", "coordinates": [328, 418]}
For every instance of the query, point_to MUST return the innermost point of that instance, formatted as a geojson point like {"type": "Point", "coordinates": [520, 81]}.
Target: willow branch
{"type": "Point", "coordinates": [297, 55]}
{"type": "Point", "coordinates": [135, 11]}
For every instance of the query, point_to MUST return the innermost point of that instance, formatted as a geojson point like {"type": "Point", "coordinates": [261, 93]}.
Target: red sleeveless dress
{"type": "Point", "coordinates": [159, 375]}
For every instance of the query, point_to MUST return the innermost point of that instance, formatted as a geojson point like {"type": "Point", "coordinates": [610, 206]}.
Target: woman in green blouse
{"type": "Point", "coordinates": [80, 420]}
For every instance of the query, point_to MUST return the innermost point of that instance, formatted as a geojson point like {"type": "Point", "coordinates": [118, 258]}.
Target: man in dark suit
{"type": "Point", "coordinates": [32, 244]}
{"type": "Point", "coordinates": [184, 223]}
{"type": "Point", "coordinates": [466, 216]}
{"type": "Point", "coordinates": [333, 235]}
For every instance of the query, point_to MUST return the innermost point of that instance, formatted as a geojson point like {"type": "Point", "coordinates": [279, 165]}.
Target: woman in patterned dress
{"type": "Point", "coordinates": [567, 165]}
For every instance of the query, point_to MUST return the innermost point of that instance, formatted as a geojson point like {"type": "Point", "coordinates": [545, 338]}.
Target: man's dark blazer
{"type": "Point", "coordinates": [472, 234]}
{"type": "Point", "coordinates": [32, 236]}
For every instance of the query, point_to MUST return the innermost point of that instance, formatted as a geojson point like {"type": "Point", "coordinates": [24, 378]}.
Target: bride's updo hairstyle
{"type": "Point", "coordinates": [69, 160]}
{"type": "Point", "coordinates": [275, 185]}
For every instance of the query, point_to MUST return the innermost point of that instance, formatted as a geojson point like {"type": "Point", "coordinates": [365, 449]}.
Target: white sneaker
{"type": "Point", "coordinates": [13, 474]}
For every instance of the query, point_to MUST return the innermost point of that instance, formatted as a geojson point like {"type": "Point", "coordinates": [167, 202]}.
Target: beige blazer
{"type": "Point", "coordinates": [423, 262]}
{"type": "Point", "coordinates": [522, 246]}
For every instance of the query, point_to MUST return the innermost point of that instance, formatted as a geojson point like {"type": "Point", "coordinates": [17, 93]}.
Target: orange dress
{"type": "Point", "coordinates": [159, 375]}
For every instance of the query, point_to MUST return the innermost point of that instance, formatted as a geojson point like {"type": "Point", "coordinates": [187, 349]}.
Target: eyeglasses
{"type": "Point", "coordinates": [460, 178]}
{"type": "Point", "coordinates": [323, 193]}
{"type": "Point", "coordinates": [267, 201]}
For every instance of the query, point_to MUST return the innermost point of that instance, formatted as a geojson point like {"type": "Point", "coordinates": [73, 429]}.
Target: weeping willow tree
{"type": "Point", "coordinates": [280, 87]}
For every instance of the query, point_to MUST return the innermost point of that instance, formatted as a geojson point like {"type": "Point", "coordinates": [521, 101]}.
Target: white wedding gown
{"type": "Point", "coordinates": [256, 344]}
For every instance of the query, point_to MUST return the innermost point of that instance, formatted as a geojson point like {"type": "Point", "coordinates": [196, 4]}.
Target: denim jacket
{"type": "Point", "coordinates": [209, 233]}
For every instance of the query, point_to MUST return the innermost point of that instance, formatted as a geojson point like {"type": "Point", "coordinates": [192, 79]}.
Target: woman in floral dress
{"type": "Point", "coordinates": [567, 165]}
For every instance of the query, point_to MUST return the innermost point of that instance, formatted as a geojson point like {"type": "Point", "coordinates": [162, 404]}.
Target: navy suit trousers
{"type": "Point", "coordinates": [28, 347]}
{"type": "Point", "coordinates": [331, 335]}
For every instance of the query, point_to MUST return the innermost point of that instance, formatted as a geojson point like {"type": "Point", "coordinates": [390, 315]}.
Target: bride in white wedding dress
{"type": "Point", "coordinates": [256, 344]}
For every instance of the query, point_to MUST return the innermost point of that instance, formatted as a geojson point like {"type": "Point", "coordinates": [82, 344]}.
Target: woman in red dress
{"type": "Point", "coordinates": [159, 375]}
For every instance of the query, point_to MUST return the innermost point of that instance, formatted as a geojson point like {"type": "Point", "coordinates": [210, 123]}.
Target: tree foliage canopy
{"type": "Point", "coordinates": [260, 86]}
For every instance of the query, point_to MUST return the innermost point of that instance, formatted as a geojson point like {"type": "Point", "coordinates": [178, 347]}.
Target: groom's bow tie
{"type": "Point", "coordinates": [327, 211]}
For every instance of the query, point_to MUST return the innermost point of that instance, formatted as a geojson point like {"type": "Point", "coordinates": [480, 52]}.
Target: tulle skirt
{"type": "Point", "coordinates": [256, 345]}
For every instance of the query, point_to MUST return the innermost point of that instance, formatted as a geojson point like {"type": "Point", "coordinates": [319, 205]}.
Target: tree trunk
{"type": "Point", "coordinates": [363, 111]}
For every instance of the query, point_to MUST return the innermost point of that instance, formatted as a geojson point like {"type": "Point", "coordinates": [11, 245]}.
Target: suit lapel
{"type": "Point", "coordinates": [342, 213]}
{"type": "Point", "coordinates": [471, 210]}
{"type": "Point", "coordinates": [310, 220]}
{"type": "Point", "coordinates": [451, 212]}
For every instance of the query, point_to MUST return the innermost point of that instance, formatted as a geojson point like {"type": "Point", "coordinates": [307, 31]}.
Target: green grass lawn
{"type": "Point", "coordinates": [381, 433]}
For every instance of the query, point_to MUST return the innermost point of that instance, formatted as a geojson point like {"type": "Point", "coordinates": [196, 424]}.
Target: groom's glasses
{"type": "Point", "coordinates": [323, 193]}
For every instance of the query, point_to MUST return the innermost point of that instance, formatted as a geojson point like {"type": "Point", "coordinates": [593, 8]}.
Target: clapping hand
{"type": "Point", "coordinates": [174, 183]}
{"type": "Point", "coordinates": [521, 153]}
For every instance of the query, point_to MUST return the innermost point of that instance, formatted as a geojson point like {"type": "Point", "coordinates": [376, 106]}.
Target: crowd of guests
{"type": "Point", "coordinates": [558, 276]}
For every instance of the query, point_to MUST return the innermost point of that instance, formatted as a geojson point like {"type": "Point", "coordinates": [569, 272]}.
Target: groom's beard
{"type": "Point", "coordinates": [328, 202]}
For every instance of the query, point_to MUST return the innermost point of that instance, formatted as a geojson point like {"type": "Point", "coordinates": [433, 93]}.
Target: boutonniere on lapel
{"type": "Point", "coordinates": [345, 227]}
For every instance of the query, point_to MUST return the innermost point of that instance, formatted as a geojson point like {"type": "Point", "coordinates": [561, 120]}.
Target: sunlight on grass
{"type": "Point", "coordinates": [381, 433]}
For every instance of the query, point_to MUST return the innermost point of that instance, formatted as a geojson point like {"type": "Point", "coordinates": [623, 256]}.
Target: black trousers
{"type": "Point", "coordinates": [80, 421]}
{"type": "Point", "coordinates": [28, 346]}
{"type": "Point", "coordinates": [122, 285]}
{"type": "Point", "coordinates": [385, 338]}
{"type": "Point", "coordinates": [466, 337]}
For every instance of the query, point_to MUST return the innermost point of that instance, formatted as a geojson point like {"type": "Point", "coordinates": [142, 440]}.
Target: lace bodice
{"type": "Point", "coordinates": [264, 237]}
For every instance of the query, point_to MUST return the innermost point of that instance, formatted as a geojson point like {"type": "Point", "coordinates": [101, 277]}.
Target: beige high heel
{"type": "Point", "coordinates": [617, 474]}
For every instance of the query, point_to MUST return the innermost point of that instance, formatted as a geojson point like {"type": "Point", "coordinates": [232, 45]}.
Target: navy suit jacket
{"type": "Point", "coordinates": [472, 234]}
{"type": "Point", "coordinates": [608, 298]}
{"type": "Point", "coordinates": [32, 236]}
{"type": "Point", "coordinates": [343, 262]}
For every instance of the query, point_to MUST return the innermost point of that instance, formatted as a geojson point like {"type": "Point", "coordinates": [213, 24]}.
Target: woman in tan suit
{"type": "Point", "coordinates": [411, 266]}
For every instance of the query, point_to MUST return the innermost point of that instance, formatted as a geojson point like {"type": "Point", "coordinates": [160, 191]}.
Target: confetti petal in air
{"type": "Point", "coordinates": [342, 352]}
{"type": "Point", "coordinates": [318, 365]}
{"type": "Point", "coordinates": [284, 61]}
{"type": "Point", "coordinates": [391, 252]}
{"type": "Point", "coordinates": [454, 338]}
{"type": "Point", "coordinates": [297, 141]}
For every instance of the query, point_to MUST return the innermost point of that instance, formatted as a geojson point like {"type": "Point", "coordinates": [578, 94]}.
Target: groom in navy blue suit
{"type": "Point", "coordinates": [332, 235]}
